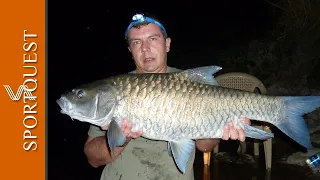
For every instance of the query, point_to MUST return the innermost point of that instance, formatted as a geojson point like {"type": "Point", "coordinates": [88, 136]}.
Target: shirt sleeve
{"type": "Point", "coordinates": [95, 131]}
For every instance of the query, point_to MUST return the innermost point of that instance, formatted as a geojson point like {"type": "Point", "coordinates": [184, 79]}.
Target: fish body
{"type": "Point", "coordinates": [183, 106]}
{"type": "Point", "coordinates": [170, 107]}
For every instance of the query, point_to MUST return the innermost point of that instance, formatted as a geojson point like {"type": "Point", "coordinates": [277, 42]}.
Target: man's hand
{"type": "Point", "coordinates": [207, 145]}
{"type": "Point", "coordinates": [235, 133]}
{"type": "Point", "coordinates": [127, 129]}
{"type": "Point", "coordinates": [96, 148]}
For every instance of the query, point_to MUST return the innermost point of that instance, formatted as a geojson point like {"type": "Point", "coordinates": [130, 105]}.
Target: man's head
{"type": "Point", "coordinates": [148, 42]}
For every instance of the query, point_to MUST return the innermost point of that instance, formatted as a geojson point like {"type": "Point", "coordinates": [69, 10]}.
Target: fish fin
{"type": "Point", "coordinates": [115, 136]}
{"type": "Point", "coordinates": [256, 133]}
{"type": "Point", "coordinates": [181, 151]}
{"type": "Point", "coordinates": [294, 125]}
{"type": "Point", "coordinates": [203, 74]}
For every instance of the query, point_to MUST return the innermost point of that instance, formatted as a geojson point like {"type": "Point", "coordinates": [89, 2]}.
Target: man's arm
{"type": "Point", "coordinates": [98, 153]}
{"type": "Point", "coordinates": [96, 148]}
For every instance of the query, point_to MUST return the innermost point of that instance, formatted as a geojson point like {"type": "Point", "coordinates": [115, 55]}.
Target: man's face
{"type": "Point", "coordinates": [149, 48]}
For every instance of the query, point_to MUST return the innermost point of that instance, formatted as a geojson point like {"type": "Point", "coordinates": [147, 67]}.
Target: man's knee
{"type": "Point", "coordinates": [207, 145]}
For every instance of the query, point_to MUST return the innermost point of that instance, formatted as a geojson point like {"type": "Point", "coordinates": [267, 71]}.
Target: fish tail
{"type": "Point", "coordinates": [294, 125]}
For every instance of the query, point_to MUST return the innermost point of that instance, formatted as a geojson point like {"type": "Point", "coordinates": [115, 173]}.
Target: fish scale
{"type": "Point", "coordinates": [183, 106]}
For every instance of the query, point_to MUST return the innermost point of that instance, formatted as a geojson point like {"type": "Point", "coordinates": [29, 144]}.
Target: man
{"type": "Point", "coordinates": [142, 158]}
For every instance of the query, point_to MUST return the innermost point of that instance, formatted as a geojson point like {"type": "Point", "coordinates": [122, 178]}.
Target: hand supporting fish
{"type": "Point", "coordinates": [230, 132]}
{"type": "Point", "coordinates": [127, 129]}
{"type": "Point", "coordinates": [235, 133]}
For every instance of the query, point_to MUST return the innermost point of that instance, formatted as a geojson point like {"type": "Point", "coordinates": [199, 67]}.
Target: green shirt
{"type": "Point", "coordinates": [144, 159]}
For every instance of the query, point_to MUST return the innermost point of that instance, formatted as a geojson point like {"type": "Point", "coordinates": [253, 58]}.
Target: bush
{"type": "Point", "coordinates": [290, 54]}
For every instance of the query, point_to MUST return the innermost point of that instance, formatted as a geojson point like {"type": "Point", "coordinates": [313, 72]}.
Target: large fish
{"type": "Point", "coordinates": [183, 106]}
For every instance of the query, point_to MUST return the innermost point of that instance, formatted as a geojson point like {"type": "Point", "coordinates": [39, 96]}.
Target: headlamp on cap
{"type": "Point", "coordinates": [140, 18]}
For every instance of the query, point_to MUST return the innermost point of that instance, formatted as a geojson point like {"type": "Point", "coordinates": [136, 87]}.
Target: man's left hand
{"type": "Point", "coordinates": [230, 132]}
{"type": "Point", "coordinates": [235, 133]}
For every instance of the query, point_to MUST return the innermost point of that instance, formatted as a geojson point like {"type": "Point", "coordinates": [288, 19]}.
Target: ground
{"type": "Point", "coordinates": [287, 163]}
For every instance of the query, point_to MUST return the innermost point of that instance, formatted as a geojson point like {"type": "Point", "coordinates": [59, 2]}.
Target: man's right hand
{"type": "Point", "coordinates": [96, 148]}
{"type": "Point", "coordinates": [127, 129]}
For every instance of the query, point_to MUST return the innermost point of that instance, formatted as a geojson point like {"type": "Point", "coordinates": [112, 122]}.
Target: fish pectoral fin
{"type": "Point", "coordinates": [181, 152]}
{"type": "Point", "coordinates": [115, 136]}
{"type": "Point", "coordinates": [203, 74]}
{"type": "Point", "coordinates": [256, 133]}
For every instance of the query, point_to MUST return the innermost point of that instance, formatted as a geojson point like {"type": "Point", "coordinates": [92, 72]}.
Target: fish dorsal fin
{"type": "Point", "coordinates": [203, 74]}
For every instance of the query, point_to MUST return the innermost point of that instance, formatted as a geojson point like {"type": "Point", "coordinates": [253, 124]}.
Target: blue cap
{"type": "Point", "coordinates": [139, 18]}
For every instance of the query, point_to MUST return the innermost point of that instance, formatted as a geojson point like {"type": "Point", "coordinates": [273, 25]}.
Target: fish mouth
{"type": "Point", "coordinates": [62, 104]}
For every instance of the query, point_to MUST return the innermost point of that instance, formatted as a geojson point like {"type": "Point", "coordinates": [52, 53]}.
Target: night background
{"type": "Point", "coordinates": [276, 41]}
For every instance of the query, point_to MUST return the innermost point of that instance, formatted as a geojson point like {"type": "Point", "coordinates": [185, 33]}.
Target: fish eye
{"type": "Point", "coordinates": [80, 94]}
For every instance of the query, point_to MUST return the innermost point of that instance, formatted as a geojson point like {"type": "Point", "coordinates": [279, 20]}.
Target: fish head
{"type": "Point", "coordinates": [94, 104]}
